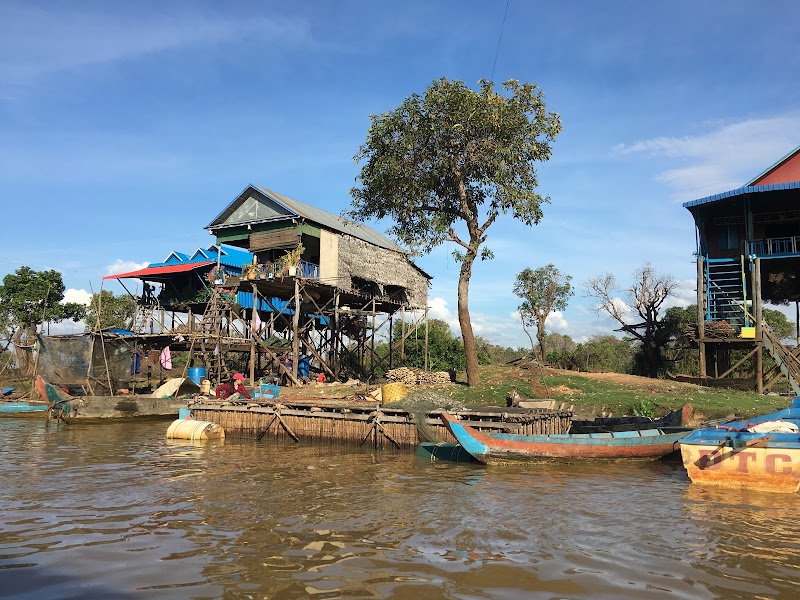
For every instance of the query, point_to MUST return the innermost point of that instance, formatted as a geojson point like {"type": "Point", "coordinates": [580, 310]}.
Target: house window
{"type": "Point", "coordinates": [729, 237]}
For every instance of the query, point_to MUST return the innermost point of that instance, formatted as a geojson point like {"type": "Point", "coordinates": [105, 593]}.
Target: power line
{"type": "Point", "coordinates": [502, 27]}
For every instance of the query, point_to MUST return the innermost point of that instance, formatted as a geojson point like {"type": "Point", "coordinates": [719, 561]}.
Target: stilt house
{"type": "Point", "coordinates": [748, 254]}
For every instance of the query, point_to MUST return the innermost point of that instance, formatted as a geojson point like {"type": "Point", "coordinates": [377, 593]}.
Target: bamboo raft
{"type": "Point", "coordinates": [332, 422]}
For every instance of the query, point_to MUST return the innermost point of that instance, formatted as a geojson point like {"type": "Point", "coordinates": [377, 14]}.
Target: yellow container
{"type": "Point", "coordinates": [392, 392]}
{"type": "Point", "coordinates": [748, 333]}
{"type": "Point", "coordinates": [189, 429]}
{"type": "Point", "coordinates": [205, 387]}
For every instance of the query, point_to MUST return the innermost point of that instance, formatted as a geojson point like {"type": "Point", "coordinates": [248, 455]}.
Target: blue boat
{"type": "Point", "coordinates": [21, 407]}
{"type": "Point", "coordinates": [761, 453]}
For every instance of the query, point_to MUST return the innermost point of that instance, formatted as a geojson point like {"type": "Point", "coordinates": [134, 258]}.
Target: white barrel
{"type": "Point", "coordinates": [189, 429]}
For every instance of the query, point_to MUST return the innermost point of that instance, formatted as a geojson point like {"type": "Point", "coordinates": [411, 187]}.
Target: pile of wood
{"type": "Point", "coordinates": [713, 329]}
{"type": "Point", "coordinates": [412, 376]}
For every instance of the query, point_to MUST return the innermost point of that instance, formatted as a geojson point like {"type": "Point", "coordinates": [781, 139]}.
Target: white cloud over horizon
{"type": "Point", "coordinates": [77, 296]}
{"type": "Point", "coordinates": [77, 38]}
{"type": "Point", "coordinates": [721, 159]}
{"type": "Point", "coordinates": [124, 266]}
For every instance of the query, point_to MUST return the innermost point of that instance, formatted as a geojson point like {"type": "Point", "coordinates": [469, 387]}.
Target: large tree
{"type": "Point", "coordinates": [28, 298]}
{"type": "Point", "coordinates": [115, 311]}
{"type": "Point", "coordinates": [542, 290]}
{"type": "Point", "coordinates": [637, 310]}
{"type": "Point", "coordinates": [446, 164]}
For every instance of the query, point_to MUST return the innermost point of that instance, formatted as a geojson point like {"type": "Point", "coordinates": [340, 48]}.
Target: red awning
{"type": "Point", "coordinates": [157, 272]}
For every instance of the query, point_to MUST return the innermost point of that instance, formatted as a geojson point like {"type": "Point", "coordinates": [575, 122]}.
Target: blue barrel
{"type": "Point", "coordinates": [197, 374]}
{"type": "Point", "coordinates": [303, 366]}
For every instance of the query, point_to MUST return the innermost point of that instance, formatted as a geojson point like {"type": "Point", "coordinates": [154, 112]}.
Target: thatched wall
{"type": "Point", "coordinates": [361, 259]}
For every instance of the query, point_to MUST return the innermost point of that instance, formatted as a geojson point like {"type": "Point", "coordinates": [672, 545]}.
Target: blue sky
{"type": "Point", "coordinates": [125, 128]}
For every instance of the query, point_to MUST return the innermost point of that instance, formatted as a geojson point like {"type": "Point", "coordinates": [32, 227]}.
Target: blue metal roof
{"type": "Point", "coordinates": [231, 257]}
{"type": "Point", "coordinates": [774, 187]}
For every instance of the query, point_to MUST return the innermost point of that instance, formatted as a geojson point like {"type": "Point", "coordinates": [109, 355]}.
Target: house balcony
{"type": "Point", "coordinates": [783, 247]}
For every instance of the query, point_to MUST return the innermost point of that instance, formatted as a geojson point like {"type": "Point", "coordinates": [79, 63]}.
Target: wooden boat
{"type": "Point", "coordinates": [502, 447]}
{"type": "Point", "coordinates": [760, 454]}
{"type": "Point", "coordinates": [21, 407]}
{"type": "Point", "coordinates": [67, 408]}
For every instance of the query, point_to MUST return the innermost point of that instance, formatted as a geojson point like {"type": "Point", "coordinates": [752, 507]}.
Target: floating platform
{"type": "Point", "coordinates": [366, 423]}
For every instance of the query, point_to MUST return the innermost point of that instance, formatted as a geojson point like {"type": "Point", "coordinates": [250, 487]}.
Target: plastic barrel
{"type": "Point", "coordinates": [392, 392]}
{"type": "Point", "coordinates": [189, 429]}
{"type": "Point", "coordinates": [303, 366]}
{"type": "Point", "coordinates": [197, 374]}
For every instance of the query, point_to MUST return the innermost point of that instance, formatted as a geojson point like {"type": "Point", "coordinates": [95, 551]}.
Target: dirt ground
{"type": "Point", "coordinates": [634, 381]}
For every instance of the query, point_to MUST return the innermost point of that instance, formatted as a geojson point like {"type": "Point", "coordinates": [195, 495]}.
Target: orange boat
{"type": "Point", "coordinates": [760, 454]}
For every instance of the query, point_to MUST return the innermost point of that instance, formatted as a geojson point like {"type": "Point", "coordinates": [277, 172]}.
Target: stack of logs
{"type": "Point", "coordinates": [411, 376]}
{"type": "Point", "coordinates": [713, 329]}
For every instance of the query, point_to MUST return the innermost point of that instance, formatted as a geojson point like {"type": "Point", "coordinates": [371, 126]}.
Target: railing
{"type": "Point", "coordinates": [774, 246]}
{"type": "Point", "coordinates": [309, 270]}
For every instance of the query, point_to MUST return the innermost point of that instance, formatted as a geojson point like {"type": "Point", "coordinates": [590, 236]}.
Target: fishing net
{"type": "Point", "coordinates": [420, 404]}
{"type": "Point", "coordinates": [65, 360]}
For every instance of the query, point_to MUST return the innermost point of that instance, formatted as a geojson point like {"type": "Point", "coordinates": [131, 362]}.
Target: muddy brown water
{"type": "Point", "coordinates": [116, 511]}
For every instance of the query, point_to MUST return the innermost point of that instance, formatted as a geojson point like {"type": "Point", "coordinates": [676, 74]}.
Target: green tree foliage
{"type": "Point", "coordinates": [560, 350]}
{"type": "Point", "coordinates": [542, 290]}
{"type": "Point", "coordinates": [445, 349]}
{"type": "Point", "coordinates": [456, 158]}
{"type": "Point", "coordinates": [605, 354]}
{"type": "Point", "coordinates": [779, 323]}
{"type": "Point", "coordinates": [28, 298]}
{"type": "Point", "coordinates": [115, 311]}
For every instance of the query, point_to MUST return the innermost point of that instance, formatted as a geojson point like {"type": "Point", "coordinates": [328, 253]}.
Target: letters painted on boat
{"type": "Point", "coordinates": [734, 455]}
{"type": "Point", "coordinates": [500, 447]}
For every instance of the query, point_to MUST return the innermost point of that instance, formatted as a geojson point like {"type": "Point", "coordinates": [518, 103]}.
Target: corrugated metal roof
{"type": "Point", "coordinates": [313, 214]}
{"type": "Point", "coordinates": [774, 187]}
{"type": "Point", "coordinates": [161, 270]}
{"type": "Point", "coordinates": [231, 257]}
{"type": "Point", "coordinates": [335, 222]}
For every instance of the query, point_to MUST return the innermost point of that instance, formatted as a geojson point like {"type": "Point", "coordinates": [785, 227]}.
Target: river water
{"type": "Point", "coordinates": [117, 511]}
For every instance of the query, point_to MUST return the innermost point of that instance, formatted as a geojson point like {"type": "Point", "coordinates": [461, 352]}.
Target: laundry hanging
{"type": "Point", "coordinates": [166, 358]}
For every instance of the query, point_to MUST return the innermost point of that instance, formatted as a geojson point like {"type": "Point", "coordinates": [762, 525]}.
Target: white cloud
{"type": "Point", "coordinates": [683, 295]}
{"type": "Point", "coordinates": [555, 322]}
{"type": "Point", "coordinates": [438, 309]}
{"type": "Point", "coordinates": [124, 266]}
{"type": "Point", "coordinates": [67, 327]}
{"type": "Point", "coordinates": [77, 296]}
{"type": "Point", "coordinates": [722, 159]}
{"type": "Point", "coordinates": [74, 38]}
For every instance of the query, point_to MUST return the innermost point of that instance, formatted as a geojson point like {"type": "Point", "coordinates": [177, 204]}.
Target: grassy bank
{"type": "Point", "coordinates": [611, 392]}
{"type": "Point", "coordinates": [587, 392]}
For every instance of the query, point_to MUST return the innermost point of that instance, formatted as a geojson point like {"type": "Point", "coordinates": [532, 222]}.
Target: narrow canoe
{"type": "Point", "coordinates": [760, 454]}
{"type": "Point", "coordinates": [21, 407]}
{"type": "Point", "coordinates": [503, 447]}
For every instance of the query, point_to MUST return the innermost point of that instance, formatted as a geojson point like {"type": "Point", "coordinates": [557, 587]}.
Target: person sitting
{"type": "Point", "coordinates": [235, 387]}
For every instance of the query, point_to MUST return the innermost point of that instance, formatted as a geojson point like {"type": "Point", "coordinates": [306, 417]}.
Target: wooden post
{"type": "Point", "coordinates": [253, 334]}
{"type": "Point", "coordinates": [372, 341]}
{"type": "Point", "coordinates": [391, 342]}
{"type": "Point", "coordinates": [403, 337]}
{"type": "Point", "coordinates": [701, 317]}
{"type": "Point", "coordinates": [426, 338]}
{"type": "Point", "coordinates": [759, 328]}
{"type": "Point", "coordinates": [335, 341]}
{"type": "Point", "coordinates": [295, 327]}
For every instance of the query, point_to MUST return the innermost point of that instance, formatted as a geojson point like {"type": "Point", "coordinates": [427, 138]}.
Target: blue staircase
{"type": "Point", "coordinates": [726, 299]}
